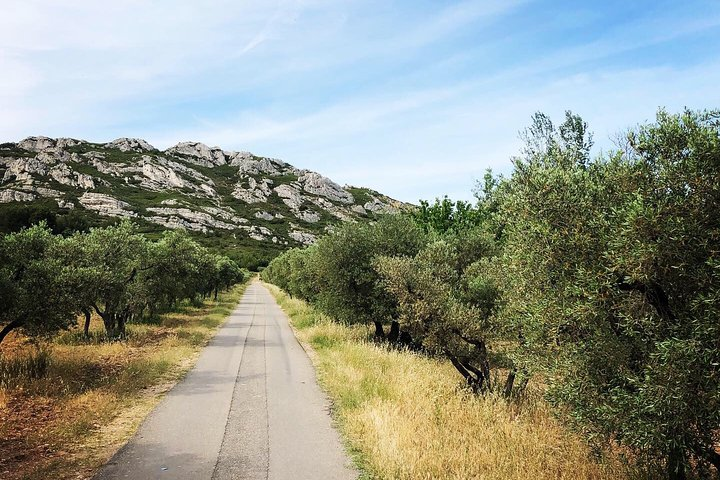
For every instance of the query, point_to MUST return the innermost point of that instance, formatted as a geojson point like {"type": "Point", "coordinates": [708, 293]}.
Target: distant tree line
{"type": "Point", "coordinates": [47, 281]}
{"type": "Point", "coordinates": [601, 276]}
{"type": "Point", "coordinates": [15, 216]}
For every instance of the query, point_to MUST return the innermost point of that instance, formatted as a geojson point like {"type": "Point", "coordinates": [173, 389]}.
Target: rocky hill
{"type": "Point", "coordinates": [245, 199]}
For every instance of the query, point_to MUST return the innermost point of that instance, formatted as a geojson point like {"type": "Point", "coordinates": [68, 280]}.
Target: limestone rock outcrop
{"type": "Point", "coordinates": [306, 238]}
{"type": "Point", "coordinates": [190, 186]}
{"type": "Point", "coordinates": [131, 145]}
{"type": "Point", "coordinates": [199, 153]}
{"type": "Point", "coordinates": [315, 183]}
{"type": "Point", "coordinates": [187, 218]}
{"type": "Point", "coordinates": [7, 196]}
{"type": "Point", "coordinates": [256, 191]}
{"type": "Point", "coordinates": [106, 205]}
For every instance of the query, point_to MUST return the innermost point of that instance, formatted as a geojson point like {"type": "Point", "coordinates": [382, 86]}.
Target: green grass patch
{"type": "Point", "coordinates": [361, 195]}
{"type": "Point", "coordinates": [286, 178]}
{"type": "Point", "coordinates": [12, 150]}
{"type": "Point", "coordinates": [112, 155]}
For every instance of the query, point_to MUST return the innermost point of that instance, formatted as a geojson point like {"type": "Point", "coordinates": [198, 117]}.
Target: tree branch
{"type": "Point", "coordinates": [18, 322]}
{"type": "Point", "coordinates": [472, 341]}
{"type": "Point", "coordinates": [654, 295]}
{"type": "Point", "coordinates": [460, 368]}
{"type": "Point", "coordinates": [131, 277]}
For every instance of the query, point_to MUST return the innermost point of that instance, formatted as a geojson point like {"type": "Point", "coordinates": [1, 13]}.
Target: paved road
{"type": "Point", "coordinates": [250, 409]}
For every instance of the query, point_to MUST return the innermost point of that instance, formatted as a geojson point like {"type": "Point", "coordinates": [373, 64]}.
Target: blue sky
{"type": "Point", "coordinates": [413, 98]}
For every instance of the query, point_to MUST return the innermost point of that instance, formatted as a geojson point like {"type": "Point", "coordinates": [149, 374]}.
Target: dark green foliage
{"type": "Point", "coordinates": [353, 292]}
{"type": "Point", "coordinates": [445, 215]}
{"type": "Point", "coordinates": [46, 281]}
{"type": "Point", "coordinates": [113, 155]}
{"type": "Point", "coordinates": [287, 178]}
{"type": "Point", "coordinates": [360, 195]}
{"type": "Point", "coordinates": [337, 272]}
{"type": "Point", "coordinates": [246, 252]}
{"type": "Point", "coordinates": [16, 216]}
{"type": "Point", "coordinates": [12, 150]}
{"type": "Point", "coordinates": [612, 277]}
{"type": "Point", "coordinates": [446, 302]}
{"type": "Point", "coordinates": [600, 275]}
{"type": "Point", "coordinates": [438, 296]}
{"type": "Point", "coordinates": [294, 272]}
{"type": "Point", "coordinates": [33, 296]}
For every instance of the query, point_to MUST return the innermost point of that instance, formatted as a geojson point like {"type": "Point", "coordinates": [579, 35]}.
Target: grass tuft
{"type": "Point", "coordinates": [17, 370]}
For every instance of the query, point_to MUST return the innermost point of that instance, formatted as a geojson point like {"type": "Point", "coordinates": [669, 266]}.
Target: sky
{"type": "Point", "coordinates": [415, 99]}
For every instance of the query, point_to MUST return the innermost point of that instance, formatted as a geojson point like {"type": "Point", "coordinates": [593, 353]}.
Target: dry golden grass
{"type": "Point", "coordinates": [406, 417]}
{"type": "Point", "coordinates": [95, 394]}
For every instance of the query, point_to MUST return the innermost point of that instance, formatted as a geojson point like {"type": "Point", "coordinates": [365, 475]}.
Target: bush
{"type": "Point", "coordinates": [47, 280]}
{"type": "Point", "coordinates": [613, 277]}
{"type": "Point", "coordinates": [337, 273]}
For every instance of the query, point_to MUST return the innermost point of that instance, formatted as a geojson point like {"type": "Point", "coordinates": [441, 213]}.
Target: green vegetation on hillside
{"type": "Point", "coordinates": [12, 150]}
{"type": "Point", "coordinates": [247, 252]}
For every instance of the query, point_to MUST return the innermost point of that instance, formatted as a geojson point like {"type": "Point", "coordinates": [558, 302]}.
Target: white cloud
{"type": "Point", "coordinates": [356, 90]}
{"type": "Point", "coordinates": [450, 146]}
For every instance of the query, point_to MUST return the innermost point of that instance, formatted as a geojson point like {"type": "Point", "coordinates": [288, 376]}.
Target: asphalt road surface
{"type": "Point", "coordinates": [250, 409]}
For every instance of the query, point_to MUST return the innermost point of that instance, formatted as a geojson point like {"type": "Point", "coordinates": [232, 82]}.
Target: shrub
{"type": "Point", "coordinates": [612, 275]}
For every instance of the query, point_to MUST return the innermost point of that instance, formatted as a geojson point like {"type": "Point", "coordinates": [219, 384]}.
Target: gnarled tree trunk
{"type": "Point", "coordinates": [86, 327]}
{"type": "Point", "coordinates": [394, 334]}
{"type": "Point", "coordinates": [121, 320]}
{"type": "Point", "coordinates": [473, 376]}
{"type": "Point", "coordinates": [379, 331]}
{"type": "Point", "coordinates": [18, 322]}
{"type": "Point", "coordinates": [110, 322]}
{"type": "Point", "coordinates": [509, 382]}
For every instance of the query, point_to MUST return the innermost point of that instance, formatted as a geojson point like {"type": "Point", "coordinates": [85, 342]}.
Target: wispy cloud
{"type": "Point", "coordinates": [414, 99]}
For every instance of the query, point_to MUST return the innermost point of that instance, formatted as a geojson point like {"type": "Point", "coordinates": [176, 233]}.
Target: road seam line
{"type": "Point", "coordinates": [237, 378]}
{"type": "Point", "coordinates": [267, 411]}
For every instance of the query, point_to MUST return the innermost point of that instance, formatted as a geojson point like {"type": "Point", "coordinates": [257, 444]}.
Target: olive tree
{"type": "Point", "coordinates": [278, 270]}
{"type": "Point", "coordinates": [171, 271]}
{"type": "Point", "coordinates": [350, 289]}
{"type": "Point", "coordinates": [446, 301]}
{"type": "Point", "coordinates": [613, 277]}
{"type": "Point", "coordinates": [34, 284]}
{"type": "Point", "coordinates": [111, 258]}
{"type": "Point", "coordinates": [227, 274]}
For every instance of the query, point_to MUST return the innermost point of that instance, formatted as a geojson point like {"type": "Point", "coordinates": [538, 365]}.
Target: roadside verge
{"type": "Point", "coordinates": [405, 416]}
{"type": "Point", "coordinates": [92, 395]}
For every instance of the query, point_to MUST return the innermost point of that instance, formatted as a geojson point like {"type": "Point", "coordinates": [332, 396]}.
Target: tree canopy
{"type": "Point", "coordinates": [600, 275]}
{"type": "Point", "coordinates": [47, 280]}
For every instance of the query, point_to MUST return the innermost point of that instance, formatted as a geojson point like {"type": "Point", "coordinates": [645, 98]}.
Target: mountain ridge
{"type": "Point", "coordinates": [249, 200]}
